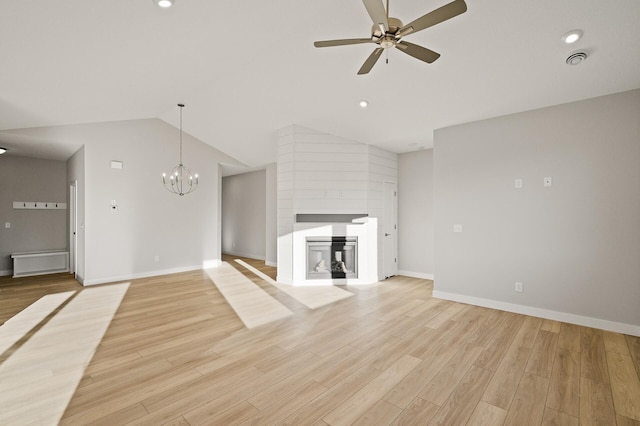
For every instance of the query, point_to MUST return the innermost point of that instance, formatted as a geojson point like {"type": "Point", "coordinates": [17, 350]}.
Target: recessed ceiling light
{"type": "Point", "coordinates": [163, 3]}
{"type": "Point", "coordinates": [572, 36]}
{"type": "Point", "coordinates": [364, 103]}
{"type": "Point", "coordinates": [3, 150]}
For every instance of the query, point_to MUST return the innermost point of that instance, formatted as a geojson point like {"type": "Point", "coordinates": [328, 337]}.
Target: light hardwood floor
{"type": "Point", "coordinates": [176, 353]}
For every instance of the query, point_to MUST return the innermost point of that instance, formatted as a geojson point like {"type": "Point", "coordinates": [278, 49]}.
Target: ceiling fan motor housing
{"type": "Point", "coordinates": [394, 25]}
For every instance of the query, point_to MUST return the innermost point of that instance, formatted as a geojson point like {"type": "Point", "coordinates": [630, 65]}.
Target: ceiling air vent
{"type": "Point", "coordinates": [576, 58]}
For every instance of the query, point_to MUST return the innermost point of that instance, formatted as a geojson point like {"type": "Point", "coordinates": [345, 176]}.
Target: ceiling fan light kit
{"type": "Point", "coordinates": [3, 150]}
{"type": "Point", "coordinates": [387, 32]}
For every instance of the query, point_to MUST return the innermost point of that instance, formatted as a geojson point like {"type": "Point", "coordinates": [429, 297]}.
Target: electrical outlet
{"type": "Point", "coordinates": [547, 181]}
{"type": "Point", "coordinates": [518, 183]}
{"type": "Point", "coordinates": [519, 288]}
{"type": "Point", "coordinates": [156, 258]}
{"type": "Point", "coordinates": [457, 228]}
{"type": "Point", "coordinates": [7, 224]}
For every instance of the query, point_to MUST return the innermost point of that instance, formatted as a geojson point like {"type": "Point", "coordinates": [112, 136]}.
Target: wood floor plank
{"type": "Point", "coordinates": [285, 406]}
{"type": "Point", "coordinates": [625, 385]}
{"type": "Point", "coordinates": [462, 402]}
{"type": "Point", "coordinates": [405, 392]}
{"type": "Point", "coordinates": [445, 382]}
{"type": "Point", "coordinates": [541, 358]}
{"type": "Point", "coordinates": [528, 403]}
{"type": "Point", "coordinates": [501, 341]}
{"type": "Point", "coordinates": [556, 418]}
{"type": "Point", "coordinates": [564, 388]}
{"type": "Point", "coordinates": [550, 325]}
{"type": "Point", "coordinates": [633, 343]}
{"type": "Point", "coordinates": [252, 304]}
{"type": "Point", "coordinates": [361, 401]}
{"type": "Point", "coordinates": [626, 421]}
{"type": "Point", "coordinates": [596, 403]}
{"type": "Point", "coordinates": [593, 362]}
{"type": "Point", "coordinates": [615, 342]}
{"type": "Point", "coordinates": [569, 337]}
{"type": "Point", "coordinates": [176, 353]}
{"type": "Point", "coordinates": [417, 413]}
{"type": "Point", "coordinates": [320, 406]}
{"type": "Point", "coordinates": [382, 413]}
{"type": "Point", "coordinates": [487, 414]}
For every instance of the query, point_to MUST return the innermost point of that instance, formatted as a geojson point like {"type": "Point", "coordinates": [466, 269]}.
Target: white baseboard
{"type": "Point", "coordinates": [6, 272]}
{"type": "Point", "coordinates": [248, 255]}
{"type": "Point", "coordinates": [617, 327]}
{"type": "Point", "coordinates": [416, 274]}
{"type": "Point", "coordinates": [269, 263]}
{"type": "Point", "coordinates": [95, 281]}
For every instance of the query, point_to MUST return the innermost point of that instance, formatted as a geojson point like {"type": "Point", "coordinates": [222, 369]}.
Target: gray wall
{"type": "Point", "coordinates": [575, 245]}
{"type": "Point", "coordinates": [182, 231]}
{"type": "Point", "coordinates": [271, 214]}
{"type": "Point", "coordinates": [244, 214]}
{"type": "Point", "coordinates": [415, 214]}
{"type": "Point", "coordinates": [30, 179]}
{"type": "Point", "coordinates": [150, 223]}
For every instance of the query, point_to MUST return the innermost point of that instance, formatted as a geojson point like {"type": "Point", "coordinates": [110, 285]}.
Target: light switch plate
{"type": "Point", "coordinates": [518, 183]}
{"type": "Point", "coordinates": [457, 228]}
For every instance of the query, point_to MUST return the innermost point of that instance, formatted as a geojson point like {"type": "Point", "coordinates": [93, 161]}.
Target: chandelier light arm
{"type": "Point", "coordinates": [180, 173]}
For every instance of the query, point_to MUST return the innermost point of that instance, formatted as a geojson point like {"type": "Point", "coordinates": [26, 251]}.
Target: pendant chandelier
{"type": "Point", "coordinates": [180, 180]}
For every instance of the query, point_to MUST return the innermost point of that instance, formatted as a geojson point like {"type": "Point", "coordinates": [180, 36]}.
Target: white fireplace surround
{"type": "Point", "coordinates": [364, 229]}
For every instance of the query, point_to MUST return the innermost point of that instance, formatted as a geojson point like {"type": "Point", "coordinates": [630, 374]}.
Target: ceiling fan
{"type": "Point", "coordinates": [387, 32]}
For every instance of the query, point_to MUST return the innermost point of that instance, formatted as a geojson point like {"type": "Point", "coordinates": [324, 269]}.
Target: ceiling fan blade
{"type": "Point", "coordinates": [418, 52]}
{"type": "Point", "coordinates": [371, 61]}
{"type": "Point", "coordinates": [329, 43]}
{"type": "Point", "coordinates": [375, 8]}
{"type": "Point", "coordinates": [441, 14]}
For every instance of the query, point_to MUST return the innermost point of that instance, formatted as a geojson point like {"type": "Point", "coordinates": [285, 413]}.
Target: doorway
{"type": "Point", "coordinates": [390, 230]}
{"type": "Point", "coordinates": [73, 228]}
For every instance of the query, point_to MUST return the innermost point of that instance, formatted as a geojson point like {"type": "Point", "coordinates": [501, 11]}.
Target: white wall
{"type": "Point", "coordinates": [123, 244]}
{"type": "Point", "coordinates": [75, 172]}
{"type": "Point", "coordinates": [415, 214]}
{"type": "Point", "coordinates": [322, 173]}
{"type": "Point", "coordinates": [576, 245]}
{"type": "Point", "coordinates": [244, 214]}
{"type": "Point", "coordinates": [30, 179]}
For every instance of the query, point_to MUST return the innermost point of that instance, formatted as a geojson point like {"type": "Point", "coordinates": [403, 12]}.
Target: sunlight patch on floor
{"type": "Point", "coordinates": [18, 326]}
{"type": "Point", "coordinates": [252, 304]}
{"type": "Point", "coordinates": [38, 380]}
{"type": "Point", "coordinates": [312, 297]}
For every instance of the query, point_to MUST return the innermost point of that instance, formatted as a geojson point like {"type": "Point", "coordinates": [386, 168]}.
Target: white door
{"type": "Point", "coordinates": [390, 230]}
{"type": "Point", "coordinates": [73, 224]}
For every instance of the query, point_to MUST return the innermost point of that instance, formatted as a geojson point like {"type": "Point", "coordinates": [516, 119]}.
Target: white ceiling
{"type": "Point", "coordinates": [247, 68]}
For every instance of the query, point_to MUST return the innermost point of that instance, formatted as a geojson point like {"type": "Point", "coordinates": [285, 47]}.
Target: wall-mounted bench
{"type": "Point", "coordinates": [40, 263]}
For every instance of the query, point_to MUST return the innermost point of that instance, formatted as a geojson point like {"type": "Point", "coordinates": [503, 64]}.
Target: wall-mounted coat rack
{"type": "Point", "coordinates": [39, 205]}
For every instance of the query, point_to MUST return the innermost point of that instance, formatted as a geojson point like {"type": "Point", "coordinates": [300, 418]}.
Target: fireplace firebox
{"type": "Point", "coordinates": [332, 257]}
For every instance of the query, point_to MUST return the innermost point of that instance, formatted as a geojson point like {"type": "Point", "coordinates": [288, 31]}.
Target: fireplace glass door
{"type": "Point", "coordinates": [332, 257]}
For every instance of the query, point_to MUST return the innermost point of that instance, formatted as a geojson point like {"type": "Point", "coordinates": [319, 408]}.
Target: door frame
{"type": "Point", "coordinates": [390, 226]}
{"type": "Point", "coordinates": [73, 228]}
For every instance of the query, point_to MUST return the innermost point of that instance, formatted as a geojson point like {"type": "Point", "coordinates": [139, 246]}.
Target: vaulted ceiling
{"type": "Point", "coordinates": [247, 68]}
